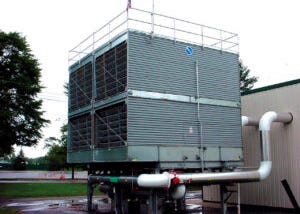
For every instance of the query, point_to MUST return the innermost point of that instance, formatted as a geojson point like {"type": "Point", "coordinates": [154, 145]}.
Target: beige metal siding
{"type": "Point", "coordinates": [285, 146]}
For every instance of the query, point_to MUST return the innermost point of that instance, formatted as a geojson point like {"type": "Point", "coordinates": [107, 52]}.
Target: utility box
{"type": "Point", "coordinates": [143, 97]}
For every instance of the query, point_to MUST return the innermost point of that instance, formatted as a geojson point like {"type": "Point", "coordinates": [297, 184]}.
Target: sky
{"type": "Point", "coordinates": [269, 37]}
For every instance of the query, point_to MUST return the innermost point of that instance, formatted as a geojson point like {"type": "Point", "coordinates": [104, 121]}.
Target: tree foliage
{"type": "Point", "coordinates": [19, 162]}
{"type": "Point", "coordinates": [246, 82]}
{"type": "Point", "coordinates": [21, 118]}
{"type": "Point", "coordinates": [57, 154]}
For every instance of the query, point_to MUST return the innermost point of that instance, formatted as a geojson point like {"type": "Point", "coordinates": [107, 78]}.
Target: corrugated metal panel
{"type": "Point", "coordinates": [161, 65]}
{"type": "Point", "coordinates": [167, 122]}
{"type": "Point", "coordinates": [211, 193]}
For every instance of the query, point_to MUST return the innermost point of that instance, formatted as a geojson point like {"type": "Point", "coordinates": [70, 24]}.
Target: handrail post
{"type": "Point", "coordinates": [127, 18]}
{"type": "Point", "coordinates": [152, 19]}
{"type": "Point", "coordinates": [174, 25]}
{"type": "Point", "coordinates": [221, 40]}
{"type": "Point", "coordinates": [109, 32]}
{"type": "Point", "coordinates": [93, 42]}
{"type": "Point", "coordinates": [202, 35]}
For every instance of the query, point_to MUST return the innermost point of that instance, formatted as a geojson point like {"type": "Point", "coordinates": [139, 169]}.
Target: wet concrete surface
{"type": "Point", "coordinates": [77, 205]}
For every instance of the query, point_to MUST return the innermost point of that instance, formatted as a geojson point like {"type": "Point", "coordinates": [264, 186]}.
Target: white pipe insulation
{"type": "Point", "coordinates": [164, 180]}
{"type": "Point", "coordinates": [248, 121]}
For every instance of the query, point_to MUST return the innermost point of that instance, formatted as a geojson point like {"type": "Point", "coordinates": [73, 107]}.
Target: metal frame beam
{"type": "Point", "coordinates": [182, 98]}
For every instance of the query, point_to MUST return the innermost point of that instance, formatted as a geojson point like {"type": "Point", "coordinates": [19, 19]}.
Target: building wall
{"type": "Point", "coordinates": [285, 148]}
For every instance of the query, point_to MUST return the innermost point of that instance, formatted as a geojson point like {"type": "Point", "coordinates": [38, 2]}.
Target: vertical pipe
{"type": "Point", "coordinates": [153, 201]}
{"type": "Point", "coordinates": [201, 144]}
{"type": "Point", "coordinates": [239, 198]}
{"type": "Point", "coordinates": [223, 198]}
{"type": "Point", "coordinates": [93, 140]}
{"type": "Point", "coordinates": [197, 88]}
{"type": "Point", "coordinates": [90, 190]}
{"type": "Point", "coordinates": [198, 114]}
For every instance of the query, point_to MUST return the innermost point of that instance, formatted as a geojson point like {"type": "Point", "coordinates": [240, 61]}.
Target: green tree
{"type": "Point", "coordinates": [19, 162]}
{"type": "Point", "coordinates": [21, 118]}
{"type": "Point", "coordinates": [246, 82]}
{"type": "Point", "coordinates": [57, 154]}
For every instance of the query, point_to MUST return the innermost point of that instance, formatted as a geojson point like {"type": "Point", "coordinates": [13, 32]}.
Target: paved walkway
{"type": "Point", "coordinates": [41, 175]}
{"type": "Point", "coordinates": [53, 205]}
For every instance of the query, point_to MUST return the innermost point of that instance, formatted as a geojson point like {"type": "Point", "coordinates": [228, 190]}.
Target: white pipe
{"type": "Point", "coordinates": [155, 180]}
{"type": "Point", "coordinates": [229, 177]}
{"type": "Point", "coordinates": [248, 121]}
{"type": "Point", "coordinates": [272, 116]}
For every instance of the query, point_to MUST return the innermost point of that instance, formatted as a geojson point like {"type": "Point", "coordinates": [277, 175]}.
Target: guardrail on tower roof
{"type": "Point", "coordinates": [158, 25]}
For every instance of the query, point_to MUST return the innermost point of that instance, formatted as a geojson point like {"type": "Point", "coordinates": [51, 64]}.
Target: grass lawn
{"type": "Point", "coordinates": [20, 190]}
{"type": "Point", "coordinates": [4, 210]}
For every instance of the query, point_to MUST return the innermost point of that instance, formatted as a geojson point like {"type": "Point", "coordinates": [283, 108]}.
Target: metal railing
{"type": "Point", "coordinates": [157, 25]}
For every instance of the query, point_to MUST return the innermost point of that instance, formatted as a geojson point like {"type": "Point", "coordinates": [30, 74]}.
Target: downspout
{"type": "Point", "coordinates": [261, 173]}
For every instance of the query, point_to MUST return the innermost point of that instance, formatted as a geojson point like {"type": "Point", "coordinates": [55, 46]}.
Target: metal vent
{"type": "Point", "coordinates": [80, 132]}
{"type": "Point", "coordinates": [111, 72]}
{"type": "Point", "coordinates": [80, 87]}
{"type": "Point", "coordinates": [111, 126]}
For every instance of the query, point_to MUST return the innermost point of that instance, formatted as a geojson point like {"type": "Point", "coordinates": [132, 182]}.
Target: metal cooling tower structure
{"type": "Point", "coordinates": [154, 102]}
{"type": "Point", "coordinates": [146, 97]}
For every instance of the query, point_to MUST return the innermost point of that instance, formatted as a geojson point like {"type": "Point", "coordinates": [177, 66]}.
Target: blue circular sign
{"type": "Point", "coordinates": [188, 50]}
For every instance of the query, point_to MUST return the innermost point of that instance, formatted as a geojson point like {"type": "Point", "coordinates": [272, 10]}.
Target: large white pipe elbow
{"type": "Point", "coordinates": [264, 169]}
{"type": "Point", "coordinates": [266, 120]}
{"type": "Point", "coordinates": [271, 116]}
